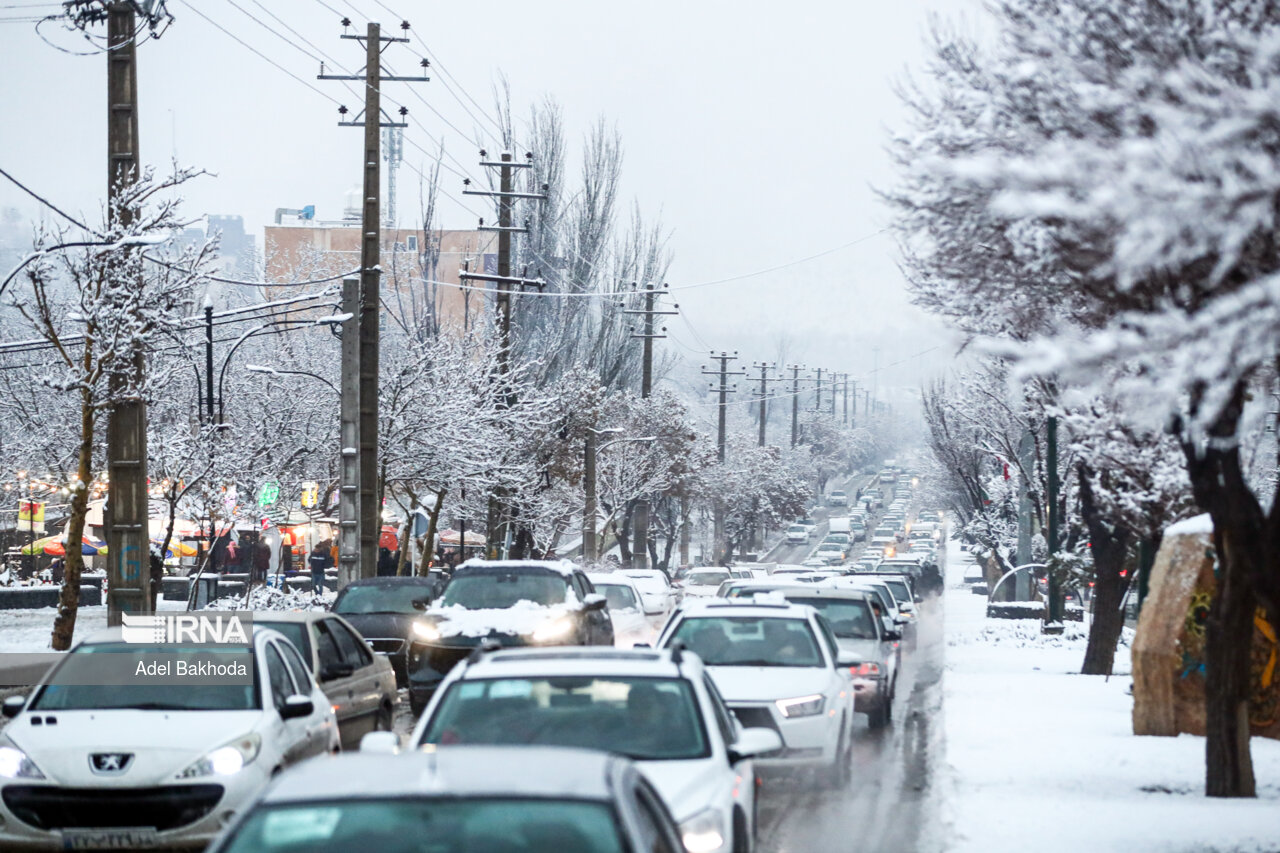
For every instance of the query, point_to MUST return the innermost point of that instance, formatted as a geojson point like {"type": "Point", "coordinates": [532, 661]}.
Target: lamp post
{"type": "Point", "coordinates": [589, 550]}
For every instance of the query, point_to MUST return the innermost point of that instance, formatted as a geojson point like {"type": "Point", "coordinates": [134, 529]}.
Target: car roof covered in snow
{"type": "Point", "coordinates": [562, 567]}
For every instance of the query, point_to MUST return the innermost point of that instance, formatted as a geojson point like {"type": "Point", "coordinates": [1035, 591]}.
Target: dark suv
{"type": "Point", "coordinates": [384, 611]}
{"type": "Point", "coordinates": [508, 603]}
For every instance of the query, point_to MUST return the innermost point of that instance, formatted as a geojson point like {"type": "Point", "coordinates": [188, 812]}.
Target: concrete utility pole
{"type": "Point", "coordinates": [853, 410]}
{"type": "Point", "coordinates": [640, 516]}
{"type": "Point", "coordinates": [128, 574]}
{"type": "Point", "coordinates": [1026, 462]}
{"type": "Point", "coordinates": [795, 402]}
{"type": "Point", "coordinates": [1054, 625]}
{"type": "Point", "coordinates": [833, 395]}
{"type": "Point", "coordinates": [589, 510]}
{"type": "Point", "coordinates": [845, 398]}
{"type": "Point", "coordinates": [508, 284]}
{"type": "Point", "coordinates": [724, 373]}
{"type": "Point", "coordinates": [765, 379]}
{"type": "Point", "coordinates": [359, 515]}
{"type": "Point", "coordinates": [817, 387]}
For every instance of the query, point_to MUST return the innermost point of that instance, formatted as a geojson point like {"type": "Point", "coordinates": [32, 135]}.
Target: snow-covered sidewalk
{"type": "Point", "coordinates": [1042, 758]}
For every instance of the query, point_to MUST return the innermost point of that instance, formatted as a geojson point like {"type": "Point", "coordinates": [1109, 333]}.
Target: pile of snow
{"type": "Point", "coordinates": [270, 598]}
{"type": "Point", "coordinates": [524, 617]}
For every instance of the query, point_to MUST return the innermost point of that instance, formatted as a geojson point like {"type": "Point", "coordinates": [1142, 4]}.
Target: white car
{"type": "Point", "coordinates": [85, 765]}
{"type": "Point", "coordinates": [778, 665]}
{"type": "Point", "coordinates": [658, 708]}
{"type": "Point", "coordinates": [704, 582]}
{"type": "Point", "coordinates": [659, 596]}
{"type": "Point", "coordinates": [831, 552]}
{"type": "Point", "coordinates": [626, 607]}
{"type": "Point", "coordinates": [798, 534]}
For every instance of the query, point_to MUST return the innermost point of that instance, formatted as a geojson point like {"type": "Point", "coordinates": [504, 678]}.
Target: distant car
{"type": "Point", "coordinates": [789, 571]}
{"type": "Point", "coordinates": [626, 608]}
{"type": "Point", "coordinates": [703, 582]}
{"type": "Point", "coordinates": [384, 611]}
{"type": "Point", "coordinates": [842, 539]}
{"type": "Point", "coordinates": [838, 498]}
{"type": "Point", "coordinates": [778, 666]}
{"type": "Point", "coordinates": [831, 552]}
{"type": "Point", "coordinates": [660, 597]}
{"type": "Point", "coordinates": [813, 563]}
{"type": "Point", "coordinates": [798, 534]}
{"type": "Point", "coordinates": [747, 589]}
{"type": "Point", "coordinates": [859, 633]}
{"type": "Point", "coordinates": [510, 603]}
{"type": "Point", "coordinates": [85, 766]}
{"type": "Point", "coordinates": [360, 685]}
{"type": "Point", "coordinates": [658, 708]}
{"type": "Point", "coordinates": [467, 798]}
{"type": "Point", "coordinates": [808, 522]}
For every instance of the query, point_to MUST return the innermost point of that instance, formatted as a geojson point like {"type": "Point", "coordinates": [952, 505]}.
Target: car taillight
{"type": "Point", "coordinates": [865, 669]}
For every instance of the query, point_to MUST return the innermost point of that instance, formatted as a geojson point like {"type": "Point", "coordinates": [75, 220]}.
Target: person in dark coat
{"type": "Point", "coordinates": [261, 562]}
{"type": "Point", "coordinates": [386, 563]}
{"type": "Point", "coordinates": [318, 562]}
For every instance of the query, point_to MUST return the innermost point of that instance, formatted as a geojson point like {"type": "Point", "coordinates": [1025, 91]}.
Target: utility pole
{"type": "Point", "coordinates": [359, 514]}
{"type": "Point", "coordinates": [128, 573]}
{"type": "Point", "coordinates": [507, 284]}
{"type": "Point", "coordinates": [208, 359]}
{"type": "Point", "coordinates": [853, 410]}
{"type": "Point", "coordinates": [764, 368]}
{"type": "Point", "coordinates": [795, 402]}
{"type": "Point", "coordinates": [845, 398]}
{"type": "Point", "coordinates": [833, 394]}
{"type": "Point", "coordinates": [724, 373]}
{"type": "Point", "coordinates": [817, 387]}
{"type": "Point", "coordinates": [589, 555]}
{"type": "Point", "coordinates": [640, 518]}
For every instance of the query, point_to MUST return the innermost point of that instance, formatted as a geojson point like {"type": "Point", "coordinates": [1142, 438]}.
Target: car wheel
{"type": "Point", "coordinates": [385, 720]}
{"type": "Point", "coordinates": [415, 707]}
{"type": "Point", "coordinates": [879, 716]}
{"type": "Point", "coordinates": [840, 772]}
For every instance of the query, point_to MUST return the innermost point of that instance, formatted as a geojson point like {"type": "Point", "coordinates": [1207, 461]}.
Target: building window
{"type": "Point", "coordinates": [413, 242]}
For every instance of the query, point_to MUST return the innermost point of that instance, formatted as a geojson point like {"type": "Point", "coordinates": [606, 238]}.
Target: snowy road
{"type": "Point", "coordinates": [797, 554]}
{"type": "Point", "coordinates": [891, 805]}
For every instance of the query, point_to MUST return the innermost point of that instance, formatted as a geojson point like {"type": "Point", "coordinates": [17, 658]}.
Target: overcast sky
{"type": "Point", "coordinates": [756, 130]}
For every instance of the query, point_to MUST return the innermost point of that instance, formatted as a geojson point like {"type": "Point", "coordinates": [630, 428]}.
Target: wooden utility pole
{"type": "Point", "coordinates": [834, 381]}
{"type": "Point", "coordinates": [795, 402]}
{"type": "Point", "coordinates": [359, 515]}
{"type": "Point", "coordinates": [128, 575]}
{"type": "Point", "coordinates": [721, 549]}
{"type": "Point", "coordinates": [765, 379]}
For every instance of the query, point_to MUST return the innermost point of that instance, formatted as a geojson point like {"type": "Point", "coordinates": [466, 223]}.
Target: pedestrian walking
{"type": "Point", "coordinates": [261, 562]}
{"type": "Point", "coordinates": [318, 562]}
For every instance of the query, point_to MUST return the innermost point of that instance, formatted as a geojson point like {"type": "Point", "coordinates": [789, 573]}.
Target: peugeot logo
{"type": "Point", "coordinates": [110, 762]}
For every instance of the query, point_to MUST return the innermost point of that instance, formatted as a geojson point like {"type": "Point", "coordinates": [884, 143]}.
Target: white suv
{"type": "Point", "coordinates": [659, 708]}
{"type": "Point", "coordinates": [778, 666]}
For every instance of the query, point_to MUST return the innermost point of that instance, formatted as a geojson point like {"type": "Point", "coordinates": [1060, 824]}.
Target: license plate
{"type": "Point", "coordinates": [124, 838]}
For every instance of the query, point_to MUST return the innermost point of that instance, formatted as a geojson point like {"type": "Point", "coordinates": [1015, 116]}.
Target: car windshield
{"type": "Point", "coordinates": [899, 589]}
{"type": "Point", "coordinates": [485, 591]}
{"type": "Point", "coordinates": [707, 578]}
{"type": "Point", "coordinates": [379, 598]}
{"type": "Point", "coordinates": [296, 632]}
{"type": "Point", "coordinates": [797, 528]}
{"type": "Point", "coordinates": [619, 596]}
{"type": "Point", "coordinates": [643, 718]}
{"type": "Point", "coordinates": [60, 694]}
{"type": "Point", "coordinates": [850, 619]}
{"type": "Point", "coordinates": [445, 824]}
{"type": "Point", "coordinates": [750, 641]}
{"type": "Point", "coordinates": [748, 590]}
{"type": "Point", "coordinates": [884, 531]}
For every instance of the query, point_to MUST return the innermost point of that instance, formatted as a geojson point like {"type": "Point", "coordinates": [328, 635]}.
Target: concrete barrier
{"type": "Point", "coordinates": [29, 597]}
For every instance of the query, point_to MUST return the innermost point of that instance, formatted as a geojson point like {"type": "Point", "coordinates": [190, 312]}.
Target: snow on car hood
{"type": "Point", "coordinates": [765, 683]}
{"type": "Point", "coordinates": [701, 591]}
{"type": "Point", "coordinates": [163, 742]}
{"type": "Point", "coordinates": [524, 617]}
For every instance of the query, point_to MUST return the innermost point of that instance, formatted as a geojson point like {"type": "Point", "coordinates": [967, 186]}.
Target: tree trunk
{"type": "Point", "coordinates": [433, 523]}
{"type": "Point", "coordinates": [623, 534]}
{"type": "Point", "coordinates": [1219, 486]}
{"type": "Point", "coordinates": [1110, 556]}
{"type": "Point", "coordinates": [64, 623]}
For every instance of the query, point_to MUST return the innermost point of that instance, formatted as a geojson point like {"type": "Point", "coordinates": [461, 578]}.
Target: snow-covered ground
{"type": "Point", "coordinates": [1042, 758]}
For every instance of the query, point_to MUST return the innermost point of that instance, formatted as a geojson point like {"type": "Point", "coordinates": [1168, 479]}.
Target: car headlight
{"type": "Point", "coordinates": [225, 760]}
{"type": "Point", "coordinates": [804, 706]}
{"type": "Point", "coordinates": [14, 764]}
{"type": "Point", "coordinates": [428, 631]}
{"type": "Point", "coordinates": [704, 832]}
{"type": "Point", "coordinates": [553, 630]}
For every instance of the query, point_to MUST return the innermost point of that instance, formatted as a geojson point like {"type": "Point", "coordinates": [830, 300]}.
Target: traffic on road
{"type": "Point", "coordinates": [524, 707]}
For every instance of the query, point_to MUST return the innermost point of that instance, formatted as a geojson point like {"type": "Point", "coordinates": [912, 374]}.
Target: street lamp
{"type": "Point", "coordinates": [277, 371]}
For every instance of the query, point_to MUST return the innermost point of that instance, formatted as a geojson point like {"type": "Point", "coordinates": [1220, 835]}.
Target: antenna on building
{"type": "Point", "coordinates": [392, 153]}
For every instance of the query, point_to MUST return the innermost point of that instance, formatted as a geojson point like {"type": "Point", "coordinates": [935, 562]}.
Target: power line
{"type": "Point", "coordinates": [782, 266]}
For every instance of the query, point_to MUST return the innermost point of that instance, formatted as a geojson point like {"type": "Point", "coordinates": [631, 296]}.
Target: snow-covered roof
{"type": "Point", "coordinates": [564, 567]}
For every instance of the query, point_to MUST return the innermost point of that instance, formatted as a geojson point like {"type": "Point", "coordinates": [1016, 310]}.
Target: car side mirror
{"type": "Point", "coordinates": [12, 706]}
{"type": "Point", "coordinates": [754, 742]}
{"type": "Point", "coordinates": [421, 603]}
{"type": "Point", "coordinates": [380, 743]}
{"type": "Point", "coordinates": [595, 601]}
{"type": "Point", "coordinates": [845, 659]}
{"type": "Point", "coordinates": [893, 635]}
{"type": "Point", "coordinates": [907, 607]}
{"type": "Point", "coordinates": [297, 706]}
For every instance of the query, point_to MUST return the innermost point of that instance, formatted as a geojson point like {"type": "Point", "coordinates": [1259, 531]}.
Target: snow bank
{"type": "Point", "coordinates": [1039, 757]}
{"type": "Point", "coordinates": [270, 598]}
{"type": "Point", "coordinates": [1197, 525]}
{"type": "Point", "coordinates": [524, 617]}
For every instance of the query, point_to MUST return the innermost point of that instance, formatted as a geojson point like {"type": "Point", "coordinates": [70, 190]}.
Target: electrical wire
{"type": "Point", "coordinates": [783, 265]}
